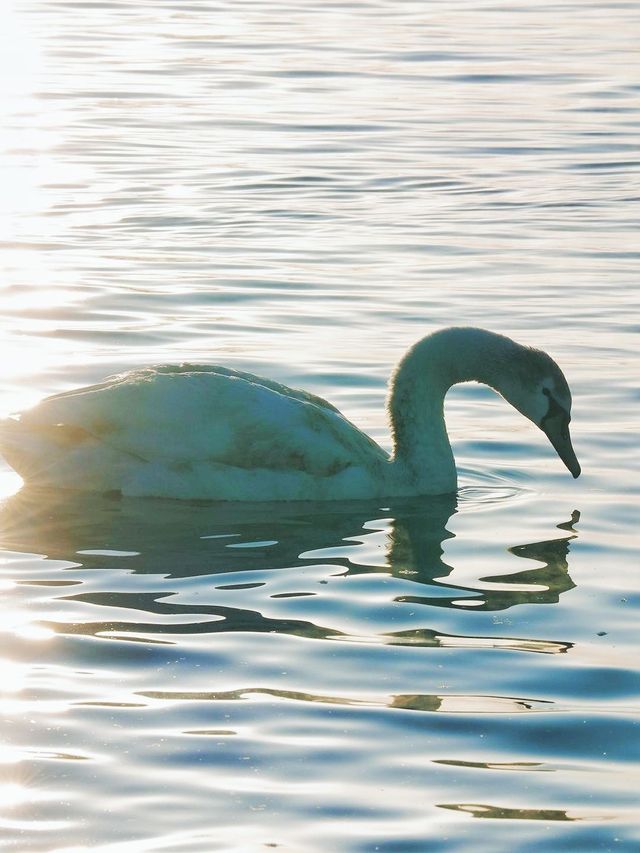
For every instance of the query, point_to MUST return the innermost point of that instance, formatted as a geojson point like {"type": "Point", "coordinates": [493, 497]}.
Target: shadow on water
{"type": "Point", "coordinates": [214, 543]}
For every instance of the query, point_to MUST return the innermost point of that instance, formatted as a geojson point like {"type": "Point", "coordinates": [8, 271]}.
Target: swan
{"type": "Point", "coordinates": [197, 431]}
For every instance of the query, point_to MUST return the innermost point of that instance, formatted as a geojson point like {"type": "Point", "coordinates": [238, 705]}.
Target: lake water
{"type": "Point", "coordinates": [303, 190]}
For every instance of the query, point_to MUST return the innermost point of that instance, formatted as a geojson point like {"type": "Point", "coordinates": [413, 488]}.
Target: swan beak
{"type": "Point", "coordinates": [557, 432]}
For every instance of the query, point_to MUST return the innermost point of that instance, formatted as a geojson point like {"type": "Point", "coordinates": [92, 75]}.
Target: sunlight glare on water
{"type": "Point", "coordinates": [303, 191]}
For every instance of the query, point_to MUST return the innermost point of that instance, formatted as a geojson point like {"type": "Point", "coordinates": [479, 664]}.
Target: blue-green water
{"type": "Point", "coordinates": [303, 191]}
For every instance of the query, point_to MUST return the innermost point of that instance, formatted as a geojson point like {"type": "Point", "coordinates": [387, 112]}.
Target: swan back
{"type": "Point", "coordinates": [188, 422]}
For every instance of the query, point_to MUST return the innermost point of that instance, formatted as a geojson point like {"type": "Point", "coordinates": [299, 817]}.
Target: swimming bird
{"type": "Point", "coordinates": [198, 431]}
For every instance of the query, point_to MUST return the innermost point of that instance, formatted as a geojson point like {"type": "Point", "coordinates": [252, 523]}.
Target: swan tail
{"type": "Point", "coordinates": [34, 451]}
{"type": "Point", "coordinates": [11, 443]}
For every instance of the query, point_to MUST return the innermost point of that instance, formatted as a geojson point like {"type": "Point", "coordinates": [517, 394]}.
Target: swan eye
{"type": "Point", "coordinates": [555, 410]}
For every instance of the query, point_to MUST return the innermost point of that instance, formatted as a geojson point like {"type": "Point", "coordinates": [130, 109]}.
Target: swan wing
{"type": "Point", "coordinates": [185, 414]}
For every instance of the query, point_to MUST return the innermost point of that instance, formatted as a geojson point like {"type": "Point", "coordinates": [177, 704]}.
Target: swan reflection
{"type": "Point", "coordinates": [282, 556]}
{"type": "Point", "coordinates": [537, 585]}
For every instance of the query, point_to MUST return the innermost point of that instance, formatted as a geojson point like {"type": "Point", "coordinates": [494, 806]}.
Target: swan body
{"type": "Point", "coordinates": [209, 432]}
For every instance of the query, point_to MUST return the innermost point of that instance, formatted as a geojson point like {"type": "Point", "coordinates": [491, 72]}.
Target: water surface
{"type": "Point", "coordinates": [304, 190]}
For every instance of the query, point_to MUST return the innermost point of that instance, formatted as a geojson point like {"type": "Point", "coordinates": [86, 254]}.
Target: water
{"type": "Point", "coordinates": [304, 190]}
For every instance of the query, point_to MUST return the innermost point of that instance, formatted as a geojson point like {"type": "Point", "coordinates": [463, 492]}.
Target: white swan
{"type": "Point", "coordinates": [203, 431]}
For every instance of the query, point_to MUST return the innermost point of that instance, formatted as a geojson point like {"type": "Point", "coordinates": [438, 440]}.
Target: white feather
{"type": "Point", "coordinates": [204, 431]}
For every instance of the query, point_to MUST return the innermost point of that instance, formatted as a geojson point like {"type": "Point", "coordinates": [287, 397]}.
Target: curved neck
{"type": "Point", "coordinates": [421, 447]}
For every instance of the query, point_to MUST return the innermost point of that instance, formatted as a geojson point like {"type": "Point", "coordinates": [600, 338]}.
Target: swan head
{"type": "Point", "coordinates": [538, 389]}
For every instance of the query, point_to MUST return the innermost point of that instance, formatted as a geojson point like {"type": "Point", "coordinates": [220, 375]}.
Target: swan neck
{"type": "Point", "coordinates": [417, 392]}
